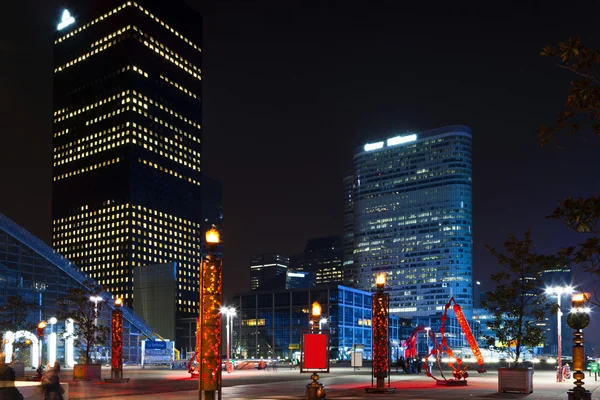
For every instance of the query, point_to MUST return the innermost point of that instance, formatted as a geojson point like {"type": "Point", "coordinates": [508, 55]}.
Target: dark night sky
{"type": "Point", "coordinates": [291, 88]}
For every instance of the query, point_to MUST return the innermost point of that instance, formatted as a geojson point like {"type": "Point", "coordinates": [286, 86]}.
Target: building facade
{"type": "Point", "coordinates": [32, 270]}
{"type": "Point", "coordinates": [268, 271]}
{"type": "Point", "coordinates": [127, 142]}
{"type": "Point", "coordinates": [412, 220]}
{"type": "Point", "coordinates": [269, 324]}
{"type": "Point", "coordinates": [322, 257]}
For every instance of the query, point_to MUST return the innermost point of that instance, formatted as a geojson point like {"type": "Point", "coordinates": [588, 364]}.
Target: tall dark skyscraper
{"type": "Point", "coordinates": [323, 258]}
{"type": "Point", "coordinates": [127, 142]}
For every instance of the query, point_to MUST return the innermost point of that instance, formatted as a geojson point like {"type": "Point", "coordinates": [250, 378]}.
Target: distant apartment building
{"type": "Point", "coordinates": [268, 271]}
{"type": "Point", "coordinates": [412, 219]}
{"type": "Point", "coordinates": [322, 257]}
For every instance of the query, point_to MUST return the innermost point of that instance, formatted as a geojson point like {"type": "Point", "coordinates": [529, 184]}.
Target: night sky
{"type": "Point", "coordinates": [292, 88]}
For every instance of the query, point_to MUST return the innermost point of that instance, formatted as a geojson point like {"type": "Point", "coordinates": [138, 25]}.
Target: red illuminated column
{"type": "Point", "coordinates": [380, 333]}
{"type": "Point", "coordinates": [116, 365]}
{"type": "Point", "coordinates": [210, 320]}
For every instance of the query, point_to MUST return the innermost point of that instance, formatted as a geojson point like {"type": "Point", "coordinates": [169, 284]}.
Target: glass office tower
{"type": "Point", "coordinates": [412, 219]}
{"type": "Point", "coordinates": [127, 142]}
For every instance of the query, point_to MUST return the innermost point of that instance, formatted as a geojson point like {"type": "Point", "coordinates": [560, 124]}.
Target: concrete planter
{"type": "Point", "coordinates": [87, 372]}
{"type": "Point", "coordinates": [515, 380]}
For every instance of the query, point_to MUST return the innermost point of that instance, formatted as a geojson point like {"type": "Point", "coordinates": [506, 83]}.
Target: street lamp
{"type": "Point", "coordinates": [578, 319]}
{"type": "Point", "coordinates": [40, 332]}
{"type": "Point", "coordinates": [229, 312]}
{"type": "Point", "coordinates": [559, 291]}
{"type": "Point", "coordinates": [209, 322]}
{"type": "Point", "coordinates": [95, 299]}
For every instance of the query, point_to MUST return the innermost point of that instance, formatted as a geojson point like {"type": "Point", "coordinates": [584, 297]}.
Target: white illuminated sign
{"type": "Point", "coordinates": [373, 146]}
{"type": "Point", "coordinates": [391, 142]}
{"type": "Point", "coordinates": [296, 275]}
{"type": "Point", "coordinates": [66, 20]}
{"type": "Point", "coordinates": [401, 139]}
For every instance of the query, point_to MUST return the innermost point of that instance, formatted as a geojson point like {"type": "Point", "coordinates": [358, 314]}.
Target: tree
{"type": "Point", "coordinates": [76, 305]}
{"type": "Point", "coordinates": [580, 109]}
{"type": "Point", "coordinates": [15, 316]}
{"type": "Point", "coordinates": [517, 304]}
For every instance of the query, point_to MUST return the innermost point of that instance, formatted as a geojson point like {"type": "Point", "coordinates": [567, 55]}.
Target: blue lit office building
{"type": "Point", "coordinates": [269, 323]}
{"type": "Point", "coordinates": [32, 270]}
{"type": "Point", "coordinates": [412, 219]}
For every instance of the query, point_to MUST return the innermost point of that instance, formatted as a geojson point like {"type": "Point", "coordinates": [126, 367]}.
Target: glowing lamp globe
{"type": "Point", "coordinates": [118, 302]}
{"type": "Point", "coordinates": [380, 280]}
{"type": "Point", "coordinates": [42, 325]}
{"type": "Point", "coordinates": [316, 309]}
{"type": "Point", "coordinates": [212, 236]}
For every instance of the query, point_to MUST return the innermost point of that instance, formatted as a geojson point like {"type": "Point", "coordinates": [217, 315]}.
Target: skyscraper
{"type": "Point", "coordinates": [127, 142]}
{"type": "Point", "coordinates": [323, 257]}
{"type": "Point", "coordinates": [412, 219]}
{"type": "Point", "coordinates": [268, 271]}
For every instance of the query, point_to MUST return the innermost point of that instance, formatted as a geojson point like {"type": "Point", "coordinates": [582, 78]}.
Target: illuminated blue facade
{"type": "Point", "coordinates": [269, 323]}
{"type": "Point", "coordinates": [412, 213]}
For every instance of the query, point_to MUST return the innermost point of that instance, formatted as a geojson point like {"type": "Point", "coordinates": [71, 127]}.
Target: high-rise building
{"type": "Point", "coordinates": [350, 272]}
{"type": "Point", "coordinates": [412, 219]}
{"type": "Point", "coordinates": [323, 257]}
{"type": "Point", "coordinates": [127, 142]}
{"type": "Point", "coordinates": [268, 271]}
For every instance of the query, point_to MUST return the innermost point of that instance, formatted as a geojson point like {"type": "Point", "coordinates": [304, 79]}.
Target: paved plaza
{"type": "Point", "coordinates": [341, 383]}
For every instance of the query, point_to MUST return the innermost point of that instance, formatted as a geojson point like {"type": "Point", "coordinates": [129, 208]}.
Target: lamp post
{"type": "Point", "coordinates": [427, 333]}
{"type": "Point", "coordinates": [40, 332]}
{"type": "Point", "coordinates": [380, 314]}
{"type": "Point", "coordinates": [209, 323]}
{"type": "Point", "coordinates": [559, 291]}
{"type": "Point", "coordinates": [578, 319]}
{"type": "Point", "coordinates": [315, 390]}
{"type": "Point", "coordinates": [116, 364]}
{"type": "Point", "coordinates": [95, 299]}
{"type": "Point", "coordinates": [229, 313]}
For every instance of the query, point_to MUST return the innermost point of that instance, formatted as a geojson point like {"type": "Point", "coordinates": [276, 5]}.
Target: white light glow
{"type": "Point", "coordinates": [296, 275]}
{"type": "Point", "coordinates": [69, 355]}
{"type": "Point", "coordinates": [401, 139]}
{"type": "Point", "coordinates": [373, 146]}
{"type": "Point", "coordinates": [52, 348]}
{"type": "Point", "coordinates": [66, 20]}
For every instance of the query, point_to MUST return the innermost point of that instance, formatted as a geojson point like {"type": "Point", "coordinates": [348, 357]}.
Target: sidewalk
{"type": "Point", "coordinates": [342, 384]}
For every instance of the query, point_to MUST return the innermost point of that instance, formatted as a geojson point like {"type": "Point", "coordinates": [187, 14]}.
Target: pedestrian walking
{"type": "Point", "coordinates": [8, 390]}
{"type": "Point", "coordinates": [51, 383]}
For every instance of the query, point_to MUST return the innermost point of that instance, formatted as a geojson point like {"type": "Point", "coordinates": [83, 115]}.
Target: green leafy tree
{"type": "Point", "coordinates": [15, 316]}
{"type": "Point", "coordinates": [76, 305]}
{"type": "Point", "coordinates": [581, 110]}
{"type": "Point", "coordinates": [517, 304]}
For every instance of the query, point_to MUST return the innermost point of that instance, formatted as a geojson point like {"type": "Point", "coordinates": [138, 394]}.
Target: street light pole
{"type": "Point", "coordinates": [559, 291]}
{"type": "Point", "coordinates": [95, 299]}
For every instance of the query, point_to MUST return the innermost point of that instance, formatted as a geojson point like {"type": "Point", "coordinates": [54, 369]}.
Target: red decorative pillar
{"type": "Point", "coordinates": [380, 322]}
{"type": "Point", "coordinates": [116, 344]}
{"type": "Point", "coordinates": [210, 320]}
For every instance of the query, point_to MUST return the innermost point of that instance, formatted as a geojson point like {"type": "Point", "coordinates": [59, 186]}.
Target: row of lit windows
{"type": "Point", "coordinates": [96, 137]}
{"type": "Point", "coordinates": [102, 79]}
{"type": "Point", "coordinates": [169, 171]}
{"type": "Point", "coordinates": [161, 214]}
{"type": "Point", "coordinates": [106, 116]}
{"type": "Point", "coordinates": [166, 124]}
{"type": "Point", "coordinates": [100, 18]}
{"type": "Point", "coordinates": [88, 107]}
{"type": "Point", "coordinates": [193, 154]}
{"type": "Point", "coordinates": [167, 109]}
{"type": "Point", "coordinates": [173, 158]}
{"type": "Point", "coordinates": [178, 86]}
{"type": "Point", "coordinates": [167, 57]}
{"type": "Point", "coordinates": [95, 212]}
{"type": "Point", "coordinates": [87, 169]}
{"type": "Point", "coordinates": [117, 9]}
{"type": "Point", "coordinates": [84, 153]}
{"type": "Point", "coordinates": [111, 36]}
{"type": "Point", "coordinates": [87, 55]}
{"type": "Point", "coordinates": [167, 27]}
{"type": "Point", "coordinates": [169, 54]}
